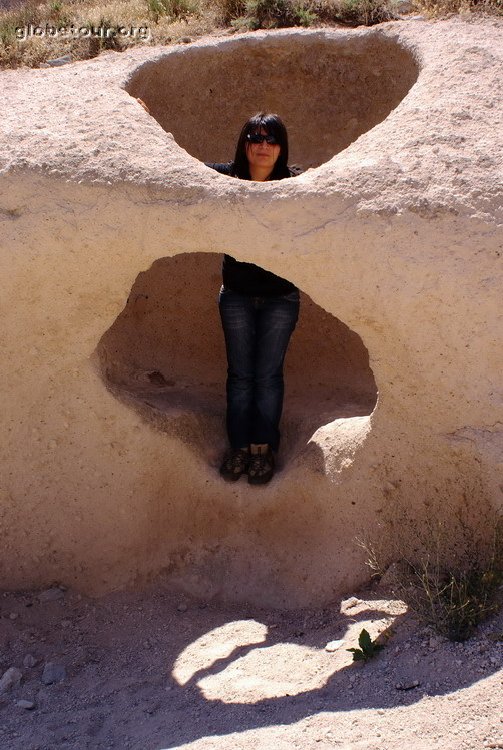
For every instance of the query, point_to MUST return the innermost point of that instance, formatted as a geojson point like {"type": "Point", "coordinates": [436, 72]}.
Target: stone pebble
{"type": "Point", "coordinates": [10, 678]}
{"type": "Point", "coordinates": [27, 705]}
{"type": "Point", "coordinates": [30, 661]}
{"type": "Point", "coordinates": [53, 672]}
{"type": "Point", "coordinates": [51, 595]}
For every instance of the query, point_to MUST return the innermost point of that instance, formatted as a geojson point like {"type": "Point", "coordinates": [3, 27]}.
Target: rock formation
{"type": "Point", "coordinates": [112, 364]}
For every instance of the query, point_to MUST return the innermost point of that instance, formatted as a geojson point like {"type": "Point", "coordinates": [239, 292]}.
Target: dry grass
{"type": "Point", "coordinates": [152, 23]}
{"type": "Point", "coordinates": [450, 562]}
{"type": "Point", "coordinates": [174, 21]}
{"type": "Point", "coordinates": [441, 8]}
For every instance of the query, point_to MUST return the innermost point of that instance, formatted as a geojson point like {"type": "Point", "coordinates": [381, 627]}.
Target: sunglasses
{"type": "Point", "coordinates": [259, 138]}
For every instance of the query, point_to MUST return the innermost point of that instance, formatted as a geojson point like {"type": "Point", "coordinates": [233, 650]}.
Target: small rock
{"type": "Point", "coordinates": [404, 6]}
{"type": "Point", "coordinates": [10, 678]}
{"type": "Point", "coordinates": [394, 575]}
{"type": "Point", "coordinates": [407, 685]}
{"type": "Point", "coordinates": [333, 645]}
{"type": "Point", "coordinates": [51, 595]}
{"type": "Point", "coordinates": [28, 705]}
{"type": "Point", "coordinates": [56, 62]}
{"type": "Point", "coordinates": [351, 602]}
{"type": "Point", "coordinates": [53, 673]}
{"type": "Point", "coordinates": [13, 616]}
{"type": "Point", "coordinates": [182, 607]}
{"type": "Point", "coordinates": [29, 661]}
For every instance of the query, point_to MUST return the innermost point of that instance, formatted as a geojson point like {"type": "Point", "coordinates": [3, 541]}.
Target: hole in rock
{"type": "Point", "coordinates": [165, 355]}
{"type": "Point", "coordinates": [328, 90]}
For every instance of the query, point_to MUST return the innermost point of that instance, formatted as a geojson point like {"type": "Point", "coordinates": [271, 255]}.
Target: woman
{"type": "Point", "coordinates": [259, 311]}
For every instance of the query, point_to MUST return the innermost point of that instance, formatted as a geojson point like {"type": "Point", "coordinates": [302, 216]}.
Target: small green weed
{"type": "Point", "coordinates": [99, 43]}
{"type": "Point", "coordinates": [7, 32]}
{"type": "Point", "coordinates": [368, 648]}
{"type": "Point", "coordinates": [271, 14]}
{"type": "Point", "coordinates": [366, 12]}
{"type": "Point", "coordinates": [59, 13]}
{"type": "Point", "coordinates": [455, 602]}
{"type": "Point", "coordinates": [305, 16]}
{"type": "Point", "coordinates": [55, 9]}
{"type": "Point", "coordinates": [173, 9]}
{"type": "Point", "coordinates": [228, 11]}
{"type": "Point", "coordinates": [448, 565]}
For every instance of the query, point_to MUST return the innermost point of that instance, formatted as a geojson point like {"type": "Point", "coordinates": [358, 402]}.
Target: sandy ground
{"type": "Point", "coordinates": [156, 670]}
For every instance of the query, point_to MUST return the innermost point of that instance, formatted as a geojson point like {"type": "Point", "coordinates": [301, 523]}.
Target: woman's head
{"type": "Point", "coordinates": [253, 151]}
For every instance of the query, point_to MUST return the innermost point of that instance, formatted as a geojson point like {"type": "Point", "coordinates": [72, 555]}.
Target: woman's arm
{"type": "Point", "coordinates": [223, 168]}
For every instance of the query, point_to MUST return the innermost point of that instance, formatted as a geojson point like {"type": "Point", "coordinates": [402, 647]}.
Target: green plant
{"type": "Point", "coordinates": [55, 9]}
{"type": "Point", "coordinates": [451, 562]}
{"type": "Point", "coordinates": [439, 8]}
{"type": "Point", "coordinates": [456, 601]}
{"type": "Point", "coordinates": [58, 13]}
{"type": "Point", "coordinates": [7, 32]}
{"type": "Point", "coordinates": [105, 40]}
{"type": "Point", "coordinates": [17, 18]}
{"type": "Point", "coordinates": [368, 648]}
{"type": "Point", "coordinates": [305, 16]}
{"type": "Point", "coordinates": [270, 13]}
{"type": "Point", "coordinates": [173, 9]}
{"type": "Point", "coordinates": [364, 12]}
{"type": "Point", "coordinates": [228, 11]}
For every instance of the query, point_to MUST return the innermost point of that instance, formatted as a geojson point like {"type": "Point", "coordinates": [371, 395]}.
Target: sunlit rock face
{"type": "Point", "coordinates": [113, 366]}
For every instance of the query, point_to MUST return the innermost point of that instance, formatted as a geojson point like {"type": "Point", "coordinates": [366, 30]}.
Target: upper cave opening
{"type": "Point", "coordinates": [328, 90]}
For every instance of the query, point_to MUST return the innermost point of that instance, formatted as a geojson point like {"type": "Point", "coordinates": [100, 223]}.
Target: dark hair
{"type": "Point", "coordinates": [273, 125]}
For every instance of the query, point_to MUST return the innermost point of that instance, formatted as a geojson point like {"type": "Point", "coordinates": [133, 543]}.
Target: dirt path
{"type": "Point", "coordinates": [156, 670]}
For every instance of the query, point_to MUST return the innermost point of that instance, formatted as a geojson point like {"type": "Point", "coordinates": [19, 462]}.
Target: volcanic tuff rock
{"type": "Point", "coordinates": [113, 363]}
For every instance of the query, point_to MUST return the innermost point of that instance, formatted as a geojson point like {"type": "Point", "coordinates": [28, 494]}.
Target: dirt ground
{"type": "Point", "coordinates": [153, 669]}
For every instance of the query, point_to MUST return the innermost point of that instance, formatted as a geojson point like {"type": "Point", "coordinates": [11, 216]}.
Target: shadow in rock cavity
{"type": "Point", "coordinates": [329, 89]}
{"type": "Point", "coordinates": [165, 355]}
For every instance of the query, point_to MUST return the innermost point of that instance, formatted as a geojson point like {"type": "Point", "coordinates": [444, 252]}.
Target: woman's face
{"type": "Point", "coordinates": [262, 155]}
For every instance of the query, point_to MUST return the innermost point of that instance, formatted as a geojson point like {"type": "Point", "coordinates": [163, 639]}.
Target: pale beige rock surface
{"type": "Point", "coordinates": [112, 411]}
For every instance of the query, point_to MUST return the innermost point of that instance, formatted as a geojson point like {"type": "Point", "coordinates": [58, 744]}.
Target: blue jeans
{"type": "Point", "coordinates": [257, 331]}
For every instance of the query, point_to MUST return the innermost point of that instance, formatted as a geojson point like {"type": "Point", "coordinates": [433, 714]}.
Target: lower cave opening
{"type": "Point", "coordinates": [165, 355]}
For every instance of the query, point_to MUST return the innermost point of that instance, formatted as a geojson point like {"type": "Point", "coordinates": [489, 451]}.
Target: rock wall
{"type": "Point", "coordinates": [112, 367]}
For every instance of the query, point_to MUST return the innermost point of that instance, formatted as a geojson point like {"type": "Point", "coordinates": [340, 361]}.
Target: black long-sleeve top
{"type": "Point", "coordinates": [247, 278]}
